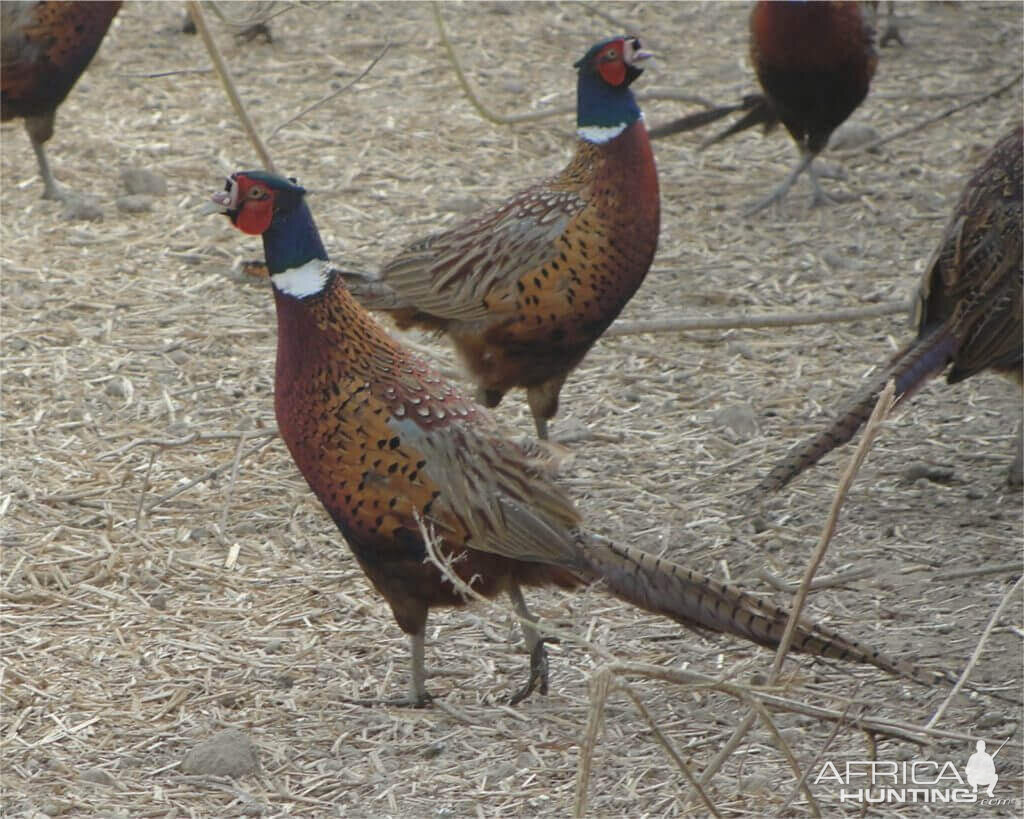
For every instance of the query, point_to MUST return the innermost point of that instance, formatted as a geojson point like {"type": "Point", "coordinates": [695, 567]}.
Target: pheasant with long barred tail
{"type": "Point", "coordinates": [525, 290]}
{"type": "Point", "coordinates": [968, 310]}
{"type": "Point", "coordinates": [815, 62]}
{"type": "Point", "coordinates": [388, 445]}
{"type": "Point", "coordinates": [44, 48]}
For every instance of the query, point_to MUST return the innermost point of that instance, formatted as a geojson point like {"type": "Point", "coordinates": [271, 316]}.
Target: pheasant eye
{"type": "Point", "coordinates": [611, 55]}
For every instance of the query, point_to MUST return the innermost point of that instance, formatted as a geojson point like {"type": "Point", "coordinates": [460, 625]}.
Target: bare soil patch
{"type": "Point", "coordinates": [156, 595]}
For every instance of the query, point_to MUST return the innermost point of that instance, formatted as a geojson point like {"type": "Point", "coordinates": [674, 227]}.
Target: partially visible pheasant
{"type": "Point", "coordinates": [526, 289]}
{"type": "Point", "coordinates": [391, 448]}
{"type": "Point", "coordinates": [815, 62]}
{"type": "Point", "coordinates": [968, 310]}
{"type": "Point", "coordinates": [44, 48]}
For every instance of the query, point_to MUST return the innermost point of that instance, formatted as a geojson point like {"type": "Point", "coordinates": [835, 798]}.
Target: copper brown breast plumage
{"type": "Point", "coordinates": [44, 48]}
{"type": "Point", "coordinates": [392, 449]}
{"type": "Point", "coordinates": [525, 290]}
{"type": "Point", "coordinates": [968, 307]}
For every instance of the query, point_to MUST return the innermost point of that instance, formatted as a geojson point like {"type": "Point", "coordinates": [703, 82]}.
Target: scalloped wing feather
{"type": "Point", "coordinates": [469, 272]}
{"type": "Point", "coordinates": [500, 492]}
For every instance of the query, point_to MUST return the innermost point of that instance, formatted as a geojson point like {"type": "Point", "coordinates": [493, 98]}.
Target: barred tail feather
{"type": "Point", "coordinates": [692, 122]}
{"type": "Point", "coordinates": [697, 601]}
{"type": "Point", "coordinates": [910, 368]}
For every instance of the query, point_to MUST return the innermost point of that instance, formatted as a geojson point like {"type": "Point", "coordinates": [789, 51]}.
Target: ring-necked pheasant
{"type": "Point", "coordinates": [968, 311]}
{"type": "Point", "coordinates": [44, 48]}
{"type": "Point", "coordinates": [525, 290]}
{"type": "Point", "coordinates": [815, 61]}
{"type": "Point", "coordinates": [387, 444]}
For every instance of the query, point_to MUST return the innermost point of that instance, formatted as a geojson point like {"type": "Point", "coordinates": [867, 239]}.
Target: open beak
{"type": "Point", "coordinates": [638, 55]}
{"type": "Point", "coordinates": [225, 201]}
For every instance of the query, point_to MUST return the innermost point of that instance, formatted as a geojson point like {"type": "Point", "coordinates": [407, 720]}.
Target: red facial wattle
{"type": "Point", "coordinates": [613, 72]}
{"type": "Point", "coordinates": [255, 215]}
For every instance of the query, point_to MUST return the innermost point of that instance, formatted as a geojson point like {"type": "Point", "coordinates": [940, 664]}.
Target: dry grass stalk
{"type": "Point", "coordinates": [684, 323]}
{"type": "Point", "coordinates": [878, 415]}
{"type": "Point", "coordinates": [871, 428]}
{"type": "Point", "coordinates": [1001, 89]}
{"type": "Point", "coordinates": [196, 13]}
{"type": "Point", "coordinates": [976, 654]}
{"type": "Point", "coordinates": [533, 116]}
{"type": "Point", "coordinates": [103, 620]}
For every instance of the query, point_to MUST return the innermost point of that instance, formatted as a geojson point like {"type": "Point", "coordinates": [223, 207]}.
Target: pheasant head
{"type": "Point", "coordinates": [605, 106]}
{"type": "Point", "coordinates": [257, 203]}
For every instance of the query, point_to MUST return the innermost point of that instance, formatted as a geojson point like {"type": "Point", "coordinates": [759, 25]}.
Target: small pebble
{"type": "Point", "coordinates": [81, 209]}
{"type": "Point", "coordinates": [119, 387]}
{"type": "Point", "coordinates": [227, 753]}
{"type": "Point", "coordinates": [755, 785]}
{"type": "Point", "coordinates": [989, 720]}
{"type": "Point", "coordinates": [135, 203]}
{"type": "Point", "coordinates": [852, 135]}
{"type": "Point", "coordinates": [139, 180]}
{"type": "Point", "coordinates": [159, 602]}
{"type": "Point", "coordinates": [740, 419]}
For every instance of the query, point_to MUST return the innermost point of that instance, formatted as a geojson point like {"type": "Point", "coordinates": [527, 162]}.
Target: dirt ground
{"type": "Point", "coordinates": [168, 575]}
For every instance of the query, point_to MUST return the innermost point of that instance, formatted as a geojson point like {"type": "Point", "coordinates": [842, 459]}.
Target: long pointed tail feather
{"type": "Point", "coordinates": [911, 368]}
{"type": "Point", "coordinates": [759, 112]}
{"type": "Point", "coordinates": [698, 601]}
{"type": "Point", "coordinates": [692, 122]}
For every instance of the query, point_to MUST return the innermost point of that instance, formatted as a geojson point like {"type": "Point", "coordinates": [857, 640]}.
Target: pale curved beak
{"type": "Point", "coordinates": [637, 54]}
{"type": "Point", "coordinates": [221, 202]}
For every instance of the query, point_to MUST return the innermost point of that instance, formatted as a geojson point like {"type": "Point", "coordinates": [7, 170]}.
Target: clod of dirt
{"type": "Point", "coordinates": [81, 209]}
{"type": "Point", "coordinates": [227, 753]}
{"type": "Point", "coordinates": [139, 180]}
{"type": "Point", "coordinates": [739, 419]}
{"type": "Point", "coordinates": [930, 472]}
{"type": "Point", "coordinates": [135, 203]}
{"type": "Point", "coordinates": [852, 135]}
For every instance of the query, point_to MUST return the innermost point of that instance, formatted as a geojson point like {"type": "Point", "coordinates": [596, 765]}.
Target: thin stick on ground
{"type": "Point", "coordinates": [668, 746]}
{"type": "Point", "coordinates": [597, 11]}
{"type": "Point", "coordinates": [977, 652]}
{"type": "Point", "coordinates": [213, 473]}
{"type": "Point", "coordinates": [920, 126]}
{"type": "Point", "coordinates": [333, 94]}
{"type": "Point", "coordinates": [532, 116]}
{"type": "Point", "coordinates": [145, 487]}
{"type": "Point", "coordinates": [782, 745]}
{"type": "Point", "coordinates": [878, 416]}
{"type": "Point", "coordinates": [839, 725]}
{"type": "Point", "coordinates": [882, 407]}
{"type": "Point", "coordinates": [230, 490]}
{"type": "Point", "coordinates": [196, 13]}
{"type": "Point", "coordinates": [683, 323]}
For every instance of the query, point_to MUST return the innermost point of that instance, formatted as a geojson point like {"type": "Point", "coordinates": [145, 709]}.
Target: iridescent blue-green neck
{"type": "Point", "coordinates": [292, 239]}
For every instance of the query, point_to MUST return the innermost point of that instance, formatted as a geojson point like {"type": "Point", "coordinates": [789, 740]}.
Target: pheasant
{"type": "Point", "coordinates": [44, 48]}
{"type": "Point", "coordinates": [968, 310]}
{"type": "Point", "coordinates": [525, 290]}
{"type": "Point", "coordinates": [391, 448]}
{"type": "Point", "coordinates": [815, 62]}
